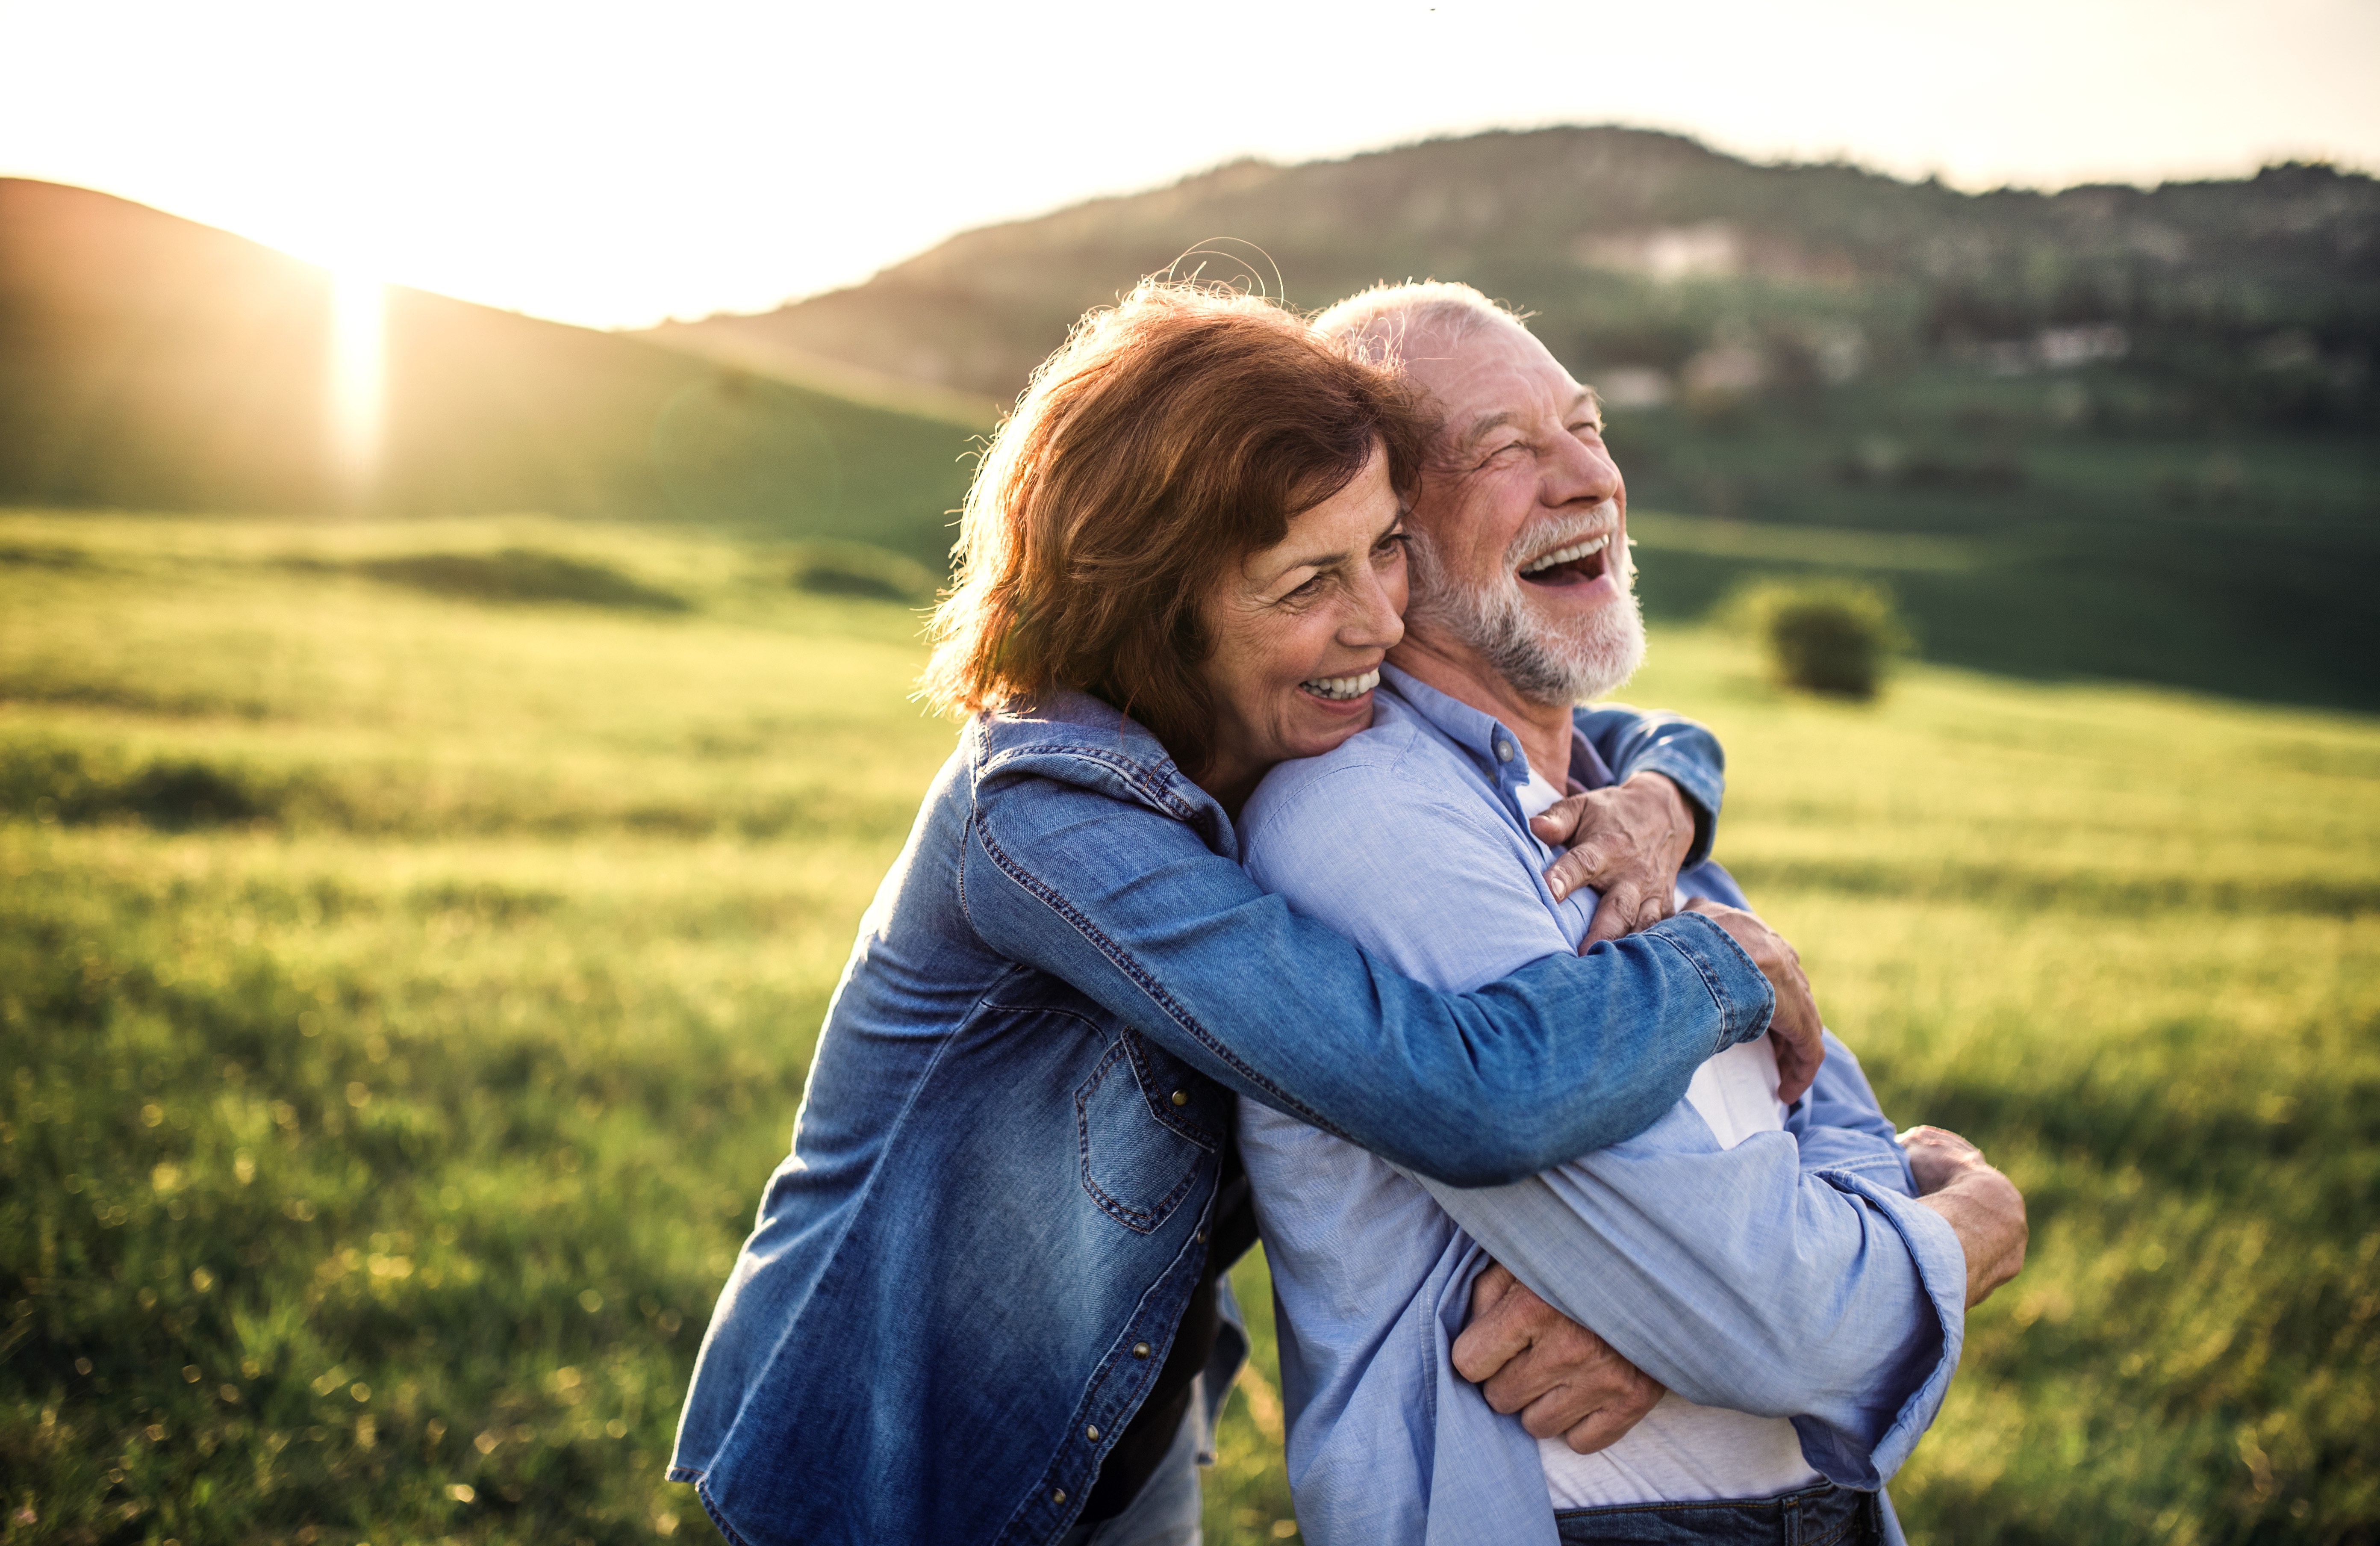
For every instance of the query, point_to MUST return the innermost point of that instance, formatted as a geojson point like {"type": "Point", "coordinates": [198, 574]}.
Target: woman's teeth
{"type": "Point", "coordinates": [1570, 554]}
{"type": "Point", "coordinates": [1340, 688]}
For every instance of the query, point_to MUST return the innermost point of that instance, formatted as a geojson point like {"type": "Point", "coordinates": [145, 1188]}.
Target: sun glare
{"type": "Point", "coordinates": [359, 375]}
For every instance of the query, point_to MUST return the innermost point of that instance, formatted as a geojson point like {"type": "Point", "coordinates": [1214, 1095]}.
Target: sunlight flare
{"type": "Point", "coordinates": [358, 374]}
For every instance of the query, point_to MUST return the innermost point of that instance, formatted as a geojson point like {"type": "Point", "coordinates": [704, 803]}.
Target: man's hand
{"type": "Point", "coordinates": [1980, 1204]}
{"type": "Point", "coordinates": [1794, 1029]}
{"type": "Point", "coordinates": [1626, 841]}
{"type": "Point", "coordinates": [1527, 1357]}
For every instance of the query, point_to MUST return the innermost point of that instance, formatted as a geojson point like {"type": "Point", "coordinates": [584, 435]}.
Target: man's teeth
{"type": "Point", "coordinates": [1342, 688]}
{"type": "Point", "coordinates": [1570, 554]}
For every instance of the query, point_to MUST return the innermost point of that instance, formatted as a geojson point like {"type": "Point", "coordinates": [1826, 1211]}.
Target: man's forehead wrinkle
{"type": "Point", "coordinates": [1501, 417]}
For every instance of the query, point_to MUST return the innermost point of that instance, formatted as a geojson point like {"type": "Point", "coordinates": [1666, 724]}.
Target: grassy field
{"type": "Point", "coordinates": [405, 987]}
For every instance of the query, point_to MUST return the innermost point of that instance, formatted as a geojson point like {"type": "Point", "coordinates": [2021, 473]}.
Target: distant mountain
{"type": "Point", "coordinates": [2107, 432]}
{"type": "Point", "coordinates": [150, 362]}
{"type": "Point", "coordinates": [1642, 251]}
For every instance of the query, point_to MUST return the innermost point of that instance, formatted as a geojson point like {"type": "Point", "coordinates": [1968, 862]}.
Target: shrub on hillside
{"type": "Point", "coordinates": [1833, 636]}
{"type": "Point", "coordinates": [829, 568]}
{"type": "Point", "coordinates": [59, 783]}
{"type": "Point", "coordinates": [520, 575]}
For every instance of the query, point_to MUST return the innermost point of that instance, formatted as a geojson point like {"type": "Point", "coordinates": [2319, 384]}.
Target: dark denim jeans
{"type": "Point", "coordinates": [1821, 1516]}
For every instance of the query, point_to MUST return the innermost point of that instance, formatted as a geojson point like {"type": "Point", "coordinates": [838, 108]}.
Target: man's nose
{"type": "Point", "coordinates": [1581, 473]}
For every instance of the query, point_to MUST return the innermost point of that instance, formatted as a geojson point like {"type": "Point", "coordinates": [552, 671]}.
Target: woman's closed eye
{"type": "Point", "coordinates": [1308, 590]}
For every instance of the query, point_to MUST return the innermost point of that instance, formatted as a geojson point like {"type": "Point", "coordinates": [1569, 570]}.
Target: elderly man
{"type": "Point", "coordinates": [1790, 1283]}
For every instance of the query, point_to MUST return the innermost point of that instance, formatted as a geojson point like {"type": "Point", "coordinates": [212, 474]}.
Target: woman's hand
{"type": "Point", "coordinates": [1528, 1356]}
{"type": "Point", "coordinates": [1794, 1029]}
{"type": "Point", "coordinates": [1625, 842]}
{"type": "Point", "coordinates": [1980, 1204]}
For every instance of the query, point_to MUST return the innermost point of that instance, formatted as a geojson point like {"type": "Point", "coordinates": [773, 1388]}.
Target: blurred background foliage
{"type": "Point", "coordinates": [1836, 637]}
{"type": "Point", "coordinates": [406, 990]}
{"type": "Point", "coordinates": [2107, 432]}
{"type": "Point", "coordinates": [419, 897]}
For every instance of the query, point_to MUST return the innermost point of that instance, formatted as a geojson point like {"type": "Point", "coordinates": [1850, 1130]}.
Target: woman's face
{"type": "Point", "coordinates": [1299, 632]}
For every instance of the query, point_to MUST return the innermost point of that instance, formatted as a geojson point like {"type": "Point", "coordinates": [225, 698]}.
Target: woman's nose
{"type": "Point", "coordinates": [1378, 621]}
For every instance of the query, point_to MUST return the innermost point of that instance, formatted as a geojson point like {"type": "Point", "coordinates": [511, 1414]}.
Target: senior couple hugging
{"type": "Point", "coordinates": [1279, 885]}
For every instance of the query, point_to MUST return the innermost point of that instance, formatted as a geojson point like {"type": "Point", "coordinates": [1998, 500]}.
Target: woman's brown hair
{"type": "Point", "coordinates": [1172, 436]}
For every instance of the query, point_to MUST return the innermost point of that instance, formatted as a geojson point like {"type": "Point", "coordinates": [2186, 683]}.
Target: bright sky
{"type": "Point", "coordinates": [614, 164]}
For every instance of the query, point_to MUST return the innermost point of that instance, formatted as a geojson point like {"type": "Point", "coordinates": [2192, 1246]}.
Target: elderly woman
{"type": "Point", "coordinates": [983, 1287]}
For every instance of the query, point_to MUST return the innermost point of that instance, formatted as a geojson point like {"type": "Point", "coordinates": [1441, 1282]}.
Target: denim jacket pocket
{"type": "Point", "coordinates": [1144, 1131]}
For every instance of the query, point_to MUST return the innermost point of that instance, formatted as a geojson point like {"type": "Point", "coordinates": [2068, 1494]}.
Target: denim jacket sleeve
{"type": "Point", "coordinates": [1132, 907]}
{"type": "Point", "coordinates": [1633, 741]}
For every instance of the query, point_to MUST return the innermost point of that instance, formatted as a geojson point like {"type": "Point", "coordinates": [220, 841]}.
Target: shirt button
{"type": "Point", "coordinates": [1057, 1494]}
{"type": "Point", "coordinates": [1092, 1434]}
{"type": "Point", "coordinates": [1180, 1098]}
{"type": "Point", "coordinates": [1503, 752]}
{"type": "Point", "coordinates": [1140, 1349]}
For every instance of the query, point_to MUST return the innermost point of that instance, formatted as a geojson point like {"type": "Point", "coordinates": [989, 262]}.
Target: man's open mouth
{"type": "Point", "coordinates": [1339, 689]}
{"type": "Point", "coordinates": [1574, 564]}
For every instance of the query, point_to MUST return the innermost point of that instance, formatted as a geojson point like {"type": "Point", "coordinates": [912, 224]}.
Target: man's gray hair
{"type": "Point", "coordinates": [1375, 324]}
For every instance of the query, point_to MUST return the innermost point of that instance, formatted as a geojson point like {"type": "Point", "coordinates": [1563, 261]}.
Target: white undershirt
{"type": "Point", "coordinates": [1682, 1451]}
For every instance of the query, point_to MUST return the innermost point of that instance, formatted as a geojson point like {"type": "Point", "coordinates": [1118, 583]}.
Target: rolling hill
{"type": "Point", "coordinates": [2110, 432]}
{"type": "Point", "coordinates": [149, 362]}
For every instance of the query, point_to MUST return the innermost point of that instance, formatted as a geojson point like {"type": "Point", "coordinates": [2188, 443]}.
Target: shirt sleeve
{"type": "Point", "coordinates": [1130, 907]}
{"type": "Point", "coordinates": [1633, 741]}
{"type": "Point", "coordinates": [1739, 1278]}
{"type": "Point", "coordinates": [1841, 1126]}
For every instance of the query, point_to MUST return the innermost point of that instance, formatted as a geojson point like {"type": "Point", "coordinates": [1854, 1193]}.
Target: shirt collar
{"type": "Point", "coordinates": [1489, 742]}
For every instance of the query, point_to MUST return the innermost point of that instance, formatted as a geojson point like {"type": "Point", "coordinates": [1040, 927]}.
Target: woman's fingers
{"type": "Point", "coordinates": [1797, 1035]}
{"type": "Point", "coordinates": [1625, 909]}
{"type": "Point", "coordinates": [1795, 1031]}
{"type": "Point", "coordinates": [1559, 822]}
{"type": "Point", "coordinates": [1632, 836]}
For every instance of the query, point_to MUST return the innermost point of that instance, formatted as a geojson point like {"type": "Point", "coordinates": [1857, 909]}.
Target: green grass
{"type": "Point", "coordinates": [407, 984]}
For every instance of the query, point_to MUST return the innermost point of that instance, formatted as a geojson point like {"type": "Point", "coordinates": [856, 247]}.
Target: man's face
{"type": "Point", "coordinates": [1521, 521]}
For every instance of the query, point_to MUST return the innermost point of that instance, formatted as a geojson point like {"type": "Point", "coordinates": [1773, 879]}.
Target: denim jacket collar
{"type": "Point", "coordinates": [1076, 739]}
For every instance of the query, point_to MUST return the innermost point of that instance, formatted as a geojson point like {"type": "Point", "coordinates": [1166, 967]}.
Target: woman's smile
{"type": "Point", "coordinates": [1342, 690]}
{"type": "Point", "coordinates": [1297, 635]}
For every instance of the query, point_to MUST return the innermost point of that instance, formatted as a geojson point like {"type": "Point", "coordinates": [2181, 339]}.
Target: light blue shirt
{"type": "Point", "coordinates": [1792, 1275]}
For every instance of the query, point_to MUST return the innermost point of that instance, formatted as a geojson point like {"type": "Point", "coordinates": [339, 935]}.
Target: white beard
{"type": "Point", "coordinates": [1546, 662]}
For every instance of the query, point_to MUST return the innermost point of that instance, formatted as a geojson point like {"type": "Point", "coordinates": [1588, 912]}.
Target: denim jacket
{"type": "Point", "coordinates": [965, 1278]}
